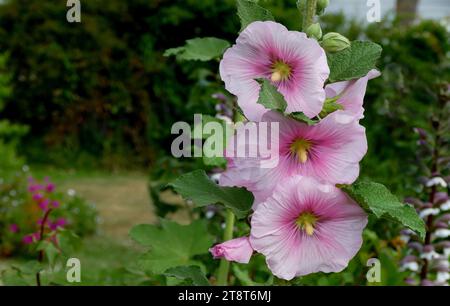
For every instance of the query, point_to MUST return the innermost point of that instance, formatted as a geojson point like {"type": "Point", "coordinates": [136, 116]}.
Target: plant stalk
{"type": "Point", "coordinates": [309, 13]}
{"type": "Point", "coordinates": [41, 252]}
{"type": "Point", "coordinates": [224, 267]}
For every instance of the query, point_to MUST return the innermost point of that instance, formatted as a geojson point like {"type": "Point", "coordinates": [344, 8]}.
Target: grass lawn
{"type": "Point", "coordinates": [122, 201]}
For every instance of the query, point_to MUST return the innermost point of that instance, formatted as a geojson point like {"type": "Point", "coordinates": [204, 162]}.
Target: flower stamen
{"type": "Point", "coordinates": [280, 71]}
{"type": "Point", "coordinates": [301, 147]}
{"type": "Point", "coordinates": [306, 222]}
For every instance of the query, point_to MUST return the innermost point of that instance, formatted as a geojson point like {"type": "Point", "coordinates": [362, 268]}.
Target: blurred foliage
{"type": "Point", "coordinates": [100, 92]}
{"type": "Point", "coordinates": [10, 134]}
{"type": "Point", "coordinates": [415, 62]}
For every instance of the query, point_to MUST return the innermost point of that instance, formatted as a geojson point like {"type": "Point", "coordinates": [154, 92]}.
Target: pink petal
{"type": "Point", "coordinates": [352, 93]}
{"type": "Point", "coordinates": [238, 250]}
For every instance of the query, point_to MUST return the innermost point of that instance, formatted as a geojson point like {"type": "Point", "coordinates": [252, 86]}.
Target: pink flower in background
{"type": "Point", "coordinates": [37, 197]}
{"type": "Point", "coordinates": [238, 250]}
{"type": "Point", "coordinates": [307, 227]}
{"type": "Point", "coordinates": [31, 238]}
{"type": "Point", "coordinates": [50, 187]}
{"type": "Point", "coordinates": [59, 223]}
{"type": "Point", "coordinates": [44, 204]}
{"type": "Point", "coordinates": [28, 239]}
{"type": "Point", "coordinates": [55, 204]}
{"type": "Point", "coordinates": [14, 228]}
{"type": "Point", "coordinates": [329, 151]}
{"type": "Point", "coordinates": [40, 220]}
{"type": "Point", "coordinates": [32, 188]}
{"type": "Point", "coordinates": [295, 64]}
{"type": "Point", "coordinates": [351, 93]}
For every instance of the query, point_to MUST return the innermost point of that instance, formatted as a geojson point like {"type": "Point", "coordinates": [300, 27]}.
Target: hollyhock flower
{"type": "Point", "coordinates": [295, 64]}
{"type": "Point", "coordinates": [238, 250]}
{"type": "Point", "coordinates": [307, 227]}
{"type": "Point", "coordinates": [55, 204]}
{"type": "Point", "coordinates": [350, 94]}
{"type": "Point", "coordinates": [329, 151]}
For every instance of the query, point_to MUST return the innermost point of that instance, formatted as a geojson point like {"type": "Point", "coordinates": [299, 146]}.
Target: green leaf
{"type": "Point", "coordinates": [50, 251]}
{"type": "Point", "coordinates": [330, 106]}
{"type": "Point", "coordinates": [200, 49]}
{"type": "Point", "coordinates": [68, 241]}
{"type": "Point", "coordinates": [353, 62]}
{"type": "Point", "coordinates": [250, 11]}
{"type": "Point", "coordinates": [299, 116]}
{"type": "Point", "coordinates": [172, 244]}
{"type": "Point", "coordinates": [377, 199]}
{"type": "Point", "coordinates": [269, 97]}
{"type": "Point", "coordinates": [191, 273]}
{"type": "Point", "coordinates": [197, 187]}
{"type": "Point", "coordinates": [215, 161]}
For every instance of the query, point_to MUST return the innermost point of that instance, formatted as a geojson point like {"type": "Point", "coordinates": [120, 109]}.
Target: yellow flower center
{"type": "Point", "coordinates": [301, 147]}
{"type": "Point", "coordinates": [280, 71]}
{"type": "Point", "coordinates": [306, 222]}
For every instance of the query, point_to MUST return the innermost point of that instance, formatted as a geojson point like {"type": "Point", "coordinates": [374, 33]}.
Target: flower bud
{"type": "Point", "coordinates": [238, 250]}
{"type": "Point", "coordinates": [334, 42]}
{"type": "Point", "coordinates": [314, 31]}
{"type": "Point", "coordinates": [321, 6]}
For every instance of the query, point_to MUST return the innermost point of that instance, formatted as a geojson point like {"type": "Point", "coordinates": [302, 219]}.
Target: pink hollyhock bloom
{"type": "Point", "coordinates": [295, 64]}
{"type": "Point", "coordinates": [238, 250]}
{"type": "Point", "coordinates": [351, 93]}
{"type": "Point", "coordinates": [329, 151]}
{"type": "Point", "coordinates": [307, 227]}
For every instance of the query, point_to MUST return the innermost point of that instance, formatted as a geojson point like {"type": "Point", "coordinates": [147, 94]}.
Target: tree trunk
{"type": "Point", "coordinates": [406, 11]}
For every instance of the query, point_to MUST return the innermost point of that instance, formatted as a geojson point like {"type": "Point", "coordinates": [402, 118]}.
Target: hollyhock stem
{"type": "Point", "coordinates": [309, 13]}
{"type": "Point", "coordinates": [224, 267]}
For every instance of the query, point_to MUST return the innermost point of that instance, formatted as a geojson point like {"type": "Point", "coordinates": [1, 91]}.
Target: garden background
{"type": "Point", "coordinates": [89, 106]}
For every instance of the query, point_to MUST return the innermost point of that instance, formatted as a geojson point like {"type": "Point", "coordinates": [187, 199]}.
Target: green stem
{"type": "Point", "coordinates": [222, 276]}
{"type": "Point", "coordinates": [309, 13]}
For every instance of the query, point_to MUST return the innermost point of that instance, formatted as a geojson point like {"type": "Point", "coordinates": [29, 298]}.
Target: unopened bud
{"type": "Point", "coordinates": [334, 42]}
{"type": "Point", "coordinates": [314, 31]}
{"type": "Point", "coordinates": [321, 6]}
